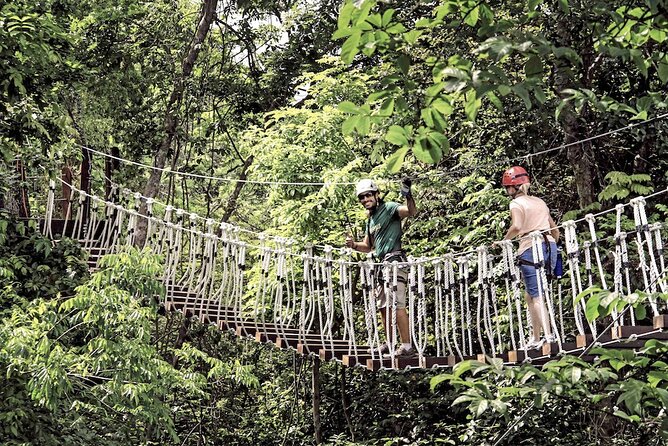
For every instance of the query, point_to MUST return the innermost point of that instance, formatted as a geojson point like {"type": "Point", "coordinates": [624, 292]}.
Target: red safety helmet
{"type": "Point", "coordinates": [515, 176]}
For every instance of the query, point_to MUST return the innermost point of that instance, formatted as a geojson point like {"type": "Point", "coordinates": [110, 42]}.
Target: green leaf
{"type": "Point", "coordinates": [576, 374]}
{"type": "Point", "coordinates": [427, 152]}
{"type": "Point", "coordinates": [461, 367]}
{"type": "Point", "coordinates": [436, 380]}
{"type": "Point", "coordinates": [441, 140]}
{"type": "Point", "coordinates": [482, 407]}
{"type": "Point", "coordinates": [396, 135]}
{"type": "Point", "coordinates": [464, 399]}
{"type": "Point", "coordinates": [396, 28]}
{"type": "Point", "coordinates": [349, 125]}
{"type": "Point", "coordinates": [363, 125]}
{"type": "Point", "coordinates": [565, 6]}
{"type": "Point", "coordinates": [533, 66]}
{"type": "Point", "coordinates": [387, 108]}
{"type": "Point", "coordinates": [345, 15]}
{"type": "Point", "coordinates": [591, 309]}
{"type": "Point", "coordinates": [641, 116]}
{"type": "Point", "coordinates": [403, 63]}
{"type": "Point", "coordinates": [494, 99]}
{"type": "Point", "coordinates": [533, 4]}
{"type": "Point", "coordinates": [472, 16]}
{"type": "Point", "coordinates": [375, 20]}
{"type": "Point", "coordinates": [640, 312]}
{"type": "Point", "coordinates": [540, 95]}
{"type": "Point", "coordinates": [632, 392]}
{"type": "Point", "coordinates": [472, 105]}
{"type": "Point", "coordinates": [443, 107]}
{"type": "Point", "coordinates": [504, 90]}
{"type": "Point", "coordinates": [522, 92]}
{"type": "Point", "coordinates": [426, 116]}
{"type": "Point", "coordinates": [457, 73]}
{"type": "Point", "coordinates": [387, 17]}
{"type": "Point", "coordinates": [341, 33]}
{"type": "Point", "coordinates": [350, 47]}
{"type": "Point", "coordinates": [662, 69]}
{"type": "Point", "coordinates": [623, 415]}
{"type": "Point", "coordinates": [658, 35]}
{"type": "Point", "coordinates": [396, 160]}
{"type": "Point", "coordinates": [412, 36]}
{"type": "Point", "coordinates": [348, 107]}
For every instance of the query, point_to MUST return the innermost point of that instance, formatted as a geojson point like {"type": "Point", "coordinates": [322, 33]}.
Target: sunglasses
{"type": "Point", "coordinates": [361, 197]}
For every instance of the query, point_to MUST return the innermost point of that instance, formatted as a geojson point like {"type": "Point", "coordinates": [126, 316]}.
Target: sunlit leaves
{"type": "Point", "coordinates": [620, 185]}
{"type": "Point", "coordinates": [395, 161]}
{"type": "Point", "coordinates": [351, 46]}
{"type": "Point", "coordinates": [397, 135]}
{"type": "Point", "coordinates": [91, 357]}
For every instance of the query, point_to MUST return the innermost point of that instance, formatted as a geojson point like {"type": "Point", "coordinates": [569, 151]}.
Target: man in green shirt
{"type": "Point", "coordinates": [383, 236]}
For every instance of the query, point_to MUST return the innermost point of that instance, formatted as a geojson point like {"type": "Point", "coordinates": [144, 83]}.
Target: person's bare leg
{"type": "Point", "coordinates": [383, 319]}
{"type": "Point", "coordinates": [545, 318]}
{"type": "Point", "coordinates": [539, 316]}
{"type": "Point", "coordinates": [536, 316]}
{"type": "Point", "coordinates": [404, 325]}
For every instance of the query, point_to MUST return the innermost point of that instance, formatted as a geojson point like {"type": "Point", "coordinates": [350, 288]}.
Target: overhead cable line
{"type": "Point", "coordinates": [214, 178]}
{"type": "Point", "coordinates": [346, 183]}
{"type": "Point", "coordinates": [528, 156]}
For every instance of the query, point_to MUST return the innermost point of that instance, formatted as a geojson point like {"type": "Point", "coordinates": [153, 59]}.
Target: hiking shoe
{"type": "Point", "coordinates": [405, 352]}
{"type": "Point", "coordinates": [534, 345]}
{"type": "Point", "coordinates": [551, 339]}
{"type": "Point", "coordinates": [380, 350]}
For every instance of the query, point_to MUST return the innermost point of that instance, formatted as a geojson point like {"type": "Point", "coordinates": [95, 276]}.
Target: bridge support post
{"type": "Point", "coordinates": [317, 425]}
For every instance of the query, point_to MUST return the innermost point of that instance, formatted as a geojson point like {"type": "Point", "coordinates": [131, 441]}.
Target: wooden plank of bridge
{"type": "Point", "coordinates": [661, 321]}
{"type": "Point", "coordinates": [569, 348]}
{"type": "Point", "coordinates": [356, 360]}
{"type": "Point", "coordinates": [519, 356]}
{"type": "Point", "coordinates": [485, 358]}
{"type": "Point", "coordinates": [206, 313]}
{"type": "Point", "coordinates": [639, 331]}
{"type": "Point", "coordinates": [314, 346]}
{"type": "Point", "coordinates": [608, 341]}
{"type": "Point", "coordinates": [430, 362]}
{"type": "Point", "coordinates": [387, 363]}
{"type": "Point", "coordinates": [339, 352]}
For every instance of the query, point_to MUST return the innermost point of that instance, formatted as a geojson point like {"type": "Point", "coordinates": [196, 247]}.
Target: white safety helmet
{"type": "Point", "coordinates": [365, 185]}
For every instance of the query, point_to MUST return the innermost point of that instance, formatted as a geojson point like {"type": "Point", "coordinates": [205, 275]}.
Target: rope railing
{"type": "Point", "coordinates": [460, 305]}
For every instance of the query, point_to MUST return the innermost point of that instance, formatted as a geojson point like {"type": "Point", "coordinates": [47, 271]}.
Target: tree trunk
{"type": "Point", "coordinates": [345, 403]}
{"type": "Point", "coordinates": [86, 166]}
{"type": "Point", "coordinates": [206, 17]}
{"type": "Point", "coordinates": [15, 199]}
{"type": "Point", "coordinates": [317, 425]}
{"type": "Point", "coordinates": [641, 160]}
{"type": "Point", "coordinates": [232, 201]}
{"type": "Point", "coordinates": [580, 156]}
{"type": "Point", "coordinates": [582, 162]}
{"type": "Point", "coordinates": [22, 193]}
{"type": "Point", "coordinates": [68, 177]}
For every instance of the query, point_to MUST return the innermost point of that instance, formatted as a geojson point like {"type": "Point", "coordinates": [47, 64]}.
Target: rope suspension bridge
{"type": "Point", "coordinates": [320, 301]}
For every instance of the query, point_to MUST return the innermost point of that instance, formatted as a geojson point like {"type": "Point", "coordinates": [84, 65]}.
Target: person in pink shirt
{"type": "Point", "coordinates": [529, 214]}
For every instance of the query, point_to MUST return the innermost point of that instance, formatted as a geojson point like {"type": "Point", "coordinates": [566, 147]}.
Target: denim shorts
{"type": "Point", "coordinates": [529, 271]}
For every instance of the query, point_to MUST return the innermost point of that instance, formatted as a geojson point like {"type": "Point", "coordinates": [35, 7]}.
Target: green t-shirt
{"type": "Point", "coordinates": [384, 229]}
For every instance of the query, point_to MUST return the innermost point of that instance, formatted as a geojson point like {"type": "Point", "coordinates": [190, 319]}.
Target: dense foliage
{"type": "Point", "coordinates": [448, 92]}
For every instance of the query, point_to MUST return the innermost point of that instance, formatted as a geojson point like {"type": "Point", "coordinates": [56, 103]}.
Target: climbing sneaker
{"type": "Point", "coordinates": [534, 345]}
{"type": "Point", "coordinates": [405, 352]}
{"type": "Point", "coordinates": [551, 339]}
{"type": "Point", "coordinates": [380, 350]}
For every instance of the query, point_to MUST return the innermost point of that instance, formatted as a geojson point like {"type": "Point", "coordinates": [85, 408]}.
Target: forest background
{"type": "Point", "coordinates": [449, 93]}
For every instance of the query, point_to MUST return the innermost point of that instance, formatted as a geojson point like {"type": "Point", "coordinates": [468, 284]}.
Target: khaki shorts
{"type": "Point", "coordinates": [381, 299]}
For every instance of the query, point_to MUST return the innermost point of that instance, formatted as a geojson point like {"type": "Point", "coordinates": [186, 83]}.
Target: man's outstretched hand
{"type": "Point", "coordinates": [406, 187]}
